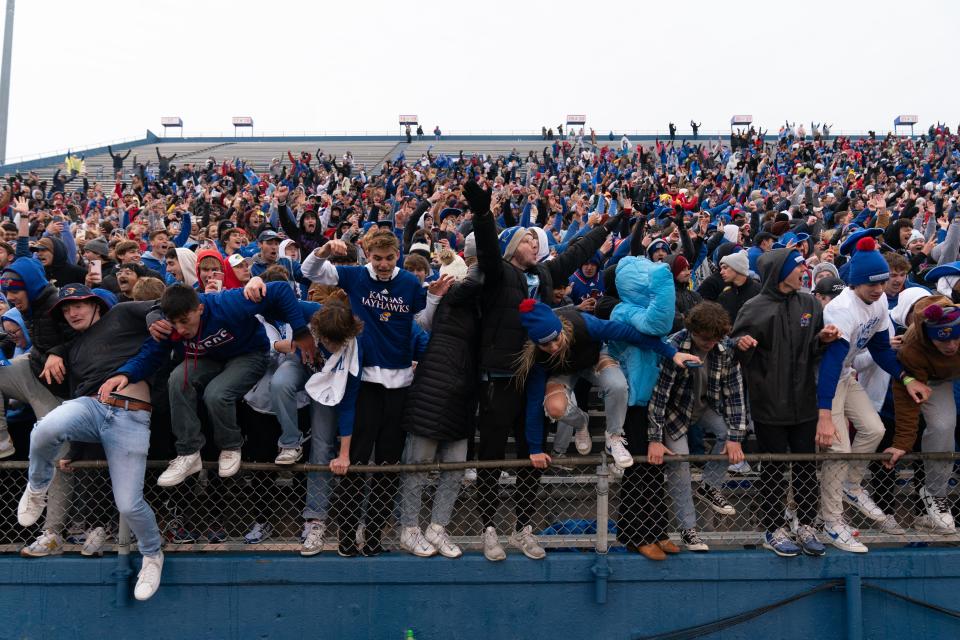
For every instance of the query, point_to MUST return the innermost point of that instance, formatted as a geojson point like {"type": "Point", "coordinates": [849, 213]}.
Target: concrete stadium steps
{"type": "Point", "coordinates": [100, 166]}
{"type": "Point", "coordinates": [260, 153]}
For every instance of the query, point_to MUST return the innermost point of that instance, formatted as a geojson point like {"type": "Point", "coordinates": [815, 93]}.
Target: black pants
{"type": "Point", "coordinates": [642, 518]}
{"type": "Point", "coordinates": [883, 481]}
{"type": "Point", "coordinates": [376, 433]}
{"type": "Point", "coordinates": [798, 438]}
{"type": "Point", "coordinates": [502, 412]}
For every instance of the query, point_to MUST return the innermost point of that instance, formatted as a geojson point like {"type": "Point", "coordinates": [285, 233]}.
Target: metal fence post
{"type": "Point", "coordinates": [123, 571]}
{"type": "Point", "coordinates": [601, 567]}
{"type": "Point", "coordinates": [603, 505]}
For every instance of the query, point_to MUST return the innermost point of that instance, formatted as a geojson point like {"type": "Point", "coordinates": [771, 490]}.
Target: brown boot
{"type": "Point", "coordinates": [668, 546]}
{"type": "Point", "coordinates": [650, 551]}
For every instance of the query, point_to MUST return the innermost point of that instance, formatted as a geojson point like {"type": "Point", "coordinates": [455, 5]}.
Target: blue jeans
{"type": "Point", "coordinates": [678, 473]}
{"type": "Point", "coordinates": [323, 445]}
{"type": "Point", "coordinates": [289, 378]}
{"type": "Point", "coordinates": [125, 436]}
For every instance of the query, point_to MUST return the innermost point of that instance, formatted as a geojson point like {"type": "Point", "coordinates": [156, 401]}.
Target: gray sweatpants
{"type": "Point", "coordinates": [940, 412]}
{"type": "Point", "coordinates": [419, 450]}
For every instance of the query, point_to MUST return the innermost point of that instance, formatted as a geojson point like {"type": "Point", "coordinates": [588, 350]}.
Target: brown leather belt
{"type": "Point", "coordinates": [129, 405]}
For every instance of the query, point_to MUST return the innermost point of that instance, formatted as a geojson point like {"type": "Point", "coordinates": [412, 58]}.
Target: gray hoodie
{"type": "Point", "coordinates": [780, 372]}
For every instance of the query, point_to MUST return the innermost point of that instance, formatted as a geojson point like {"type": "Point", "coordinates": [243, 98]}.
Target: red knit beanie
{"type": "Point", "coordinates": [679, 264]}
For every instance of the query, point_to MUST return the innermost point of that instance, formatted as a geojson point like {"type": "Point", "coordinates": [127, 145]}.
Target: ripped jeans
{"type": "Point", "coordinates": [609, 378]}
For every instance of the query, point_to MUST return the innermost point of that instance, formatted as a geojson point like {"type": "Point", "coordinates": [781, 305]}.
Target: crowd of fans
{"type": "Point", "coordinates": [805, 290]}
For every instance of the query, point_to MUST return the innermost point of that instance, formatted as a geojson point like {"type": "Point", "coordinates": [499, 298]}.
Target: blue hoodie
{"type": "Point", "coordinates": [228, 328]}
{"type": "Point", "coordinates": [31, 272]}
{"type": "Point", "coordinates": [14, 315]}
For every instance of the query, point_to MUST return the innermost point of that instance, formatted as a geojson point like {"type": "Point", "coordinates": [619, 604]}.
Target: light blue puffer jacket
{"type": "Point", "coordinates": [647, 303]}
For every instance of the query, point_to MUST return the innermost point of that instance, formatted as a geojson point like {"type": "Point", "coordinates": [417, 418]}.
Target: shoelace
{"type": "Point", "coordinates": [940, 503]}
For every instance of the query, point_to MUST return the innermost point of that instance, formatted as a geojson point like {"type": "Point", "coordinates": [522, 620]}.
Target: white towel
{"type": "Point", "coordinates": [329, 385]}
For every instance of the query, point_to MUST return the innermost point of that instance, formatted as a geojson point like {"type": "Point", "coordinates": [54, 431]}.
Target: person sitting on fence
{"type": "Point", "coordinates": [225, 351]}
{"type": "Point", "coordinates": [712, 395]}
{"type": "Point", "coordinates": [861, 314]}
{"type": "Point", "coordinates": [929, 355]}
{"type": "Point", "coordinates": [102, 410]}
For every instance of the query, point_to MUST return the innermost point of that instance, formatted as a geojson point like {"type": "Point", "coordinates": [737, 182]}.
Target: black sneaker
{"type": "Point", "coordinates": [371, 548]}
{"type": "Point", "coordinates": [715, 500]}
{"type": "Point", "coordinates": [692, 541]}
{"type": "Point", "coordinates": [347, 548]}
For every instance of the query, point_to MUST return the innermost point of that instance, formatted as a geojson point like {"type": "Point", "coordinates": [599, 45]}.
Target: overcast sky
{"type": "Point", "coordinates": [89, 72]}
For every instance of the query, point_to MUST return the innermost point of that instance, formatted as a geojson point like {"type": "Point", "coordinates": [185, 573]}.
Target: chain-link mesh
{"type": "Point", "coordinates": [849, 498]}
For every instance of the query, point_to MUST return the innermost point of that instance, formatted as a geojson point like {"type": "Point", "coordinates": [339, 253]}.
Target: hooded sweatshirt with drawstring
{"type": "Point", "coordinates": [780, 372]}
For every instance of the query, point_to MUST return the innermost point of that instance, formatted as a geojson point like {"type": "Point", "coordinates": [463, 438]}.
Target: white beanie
{"type": "Point", "coordinates": [738, 262]}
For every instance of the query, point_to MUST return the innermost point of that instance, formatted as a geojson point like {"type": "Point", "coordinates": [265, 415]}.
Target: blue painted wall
{"type": "Point", "coordinates": [285, 596]}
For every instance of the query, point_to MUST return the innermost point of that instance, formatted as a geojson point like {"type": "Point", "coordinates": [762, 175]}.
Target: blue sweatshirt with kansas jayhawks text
{"type": "Point", "coordinates": [387, 308]}
{"type": "Point", "coordinates": [228, 328]}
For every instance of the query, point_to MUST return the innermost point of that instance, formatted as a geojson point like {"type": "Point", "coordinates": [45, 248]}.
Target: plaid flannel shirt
{"type": "Point", "coordinates": [671, 405]}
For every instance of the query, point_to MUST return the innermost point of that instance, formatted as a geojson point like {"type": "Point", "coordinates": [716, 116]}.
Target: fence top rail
{"type": "Point", "coordinates": [581, 461]}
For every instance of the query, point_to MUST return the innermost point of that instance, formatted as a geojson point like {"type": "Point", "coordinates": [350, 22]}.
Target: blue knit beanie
{"type": "Point", "coordinates": [867, 266]}
{"type": "Point", "coordinates": [510, 239]}
{"type": "Point", "coordinates": [541, 323]}
{"type": "Point", "coordinates": [794, 259]}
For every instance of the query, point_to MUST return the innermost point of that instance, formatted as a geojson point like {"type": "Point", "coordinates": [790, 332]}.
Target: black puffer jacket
{"type": "Point", "coordinates": [505, 286]}
{"type": "Point", "coordinates": [49, 335]}
{"type": "Point", "coordinates": [442, 401]}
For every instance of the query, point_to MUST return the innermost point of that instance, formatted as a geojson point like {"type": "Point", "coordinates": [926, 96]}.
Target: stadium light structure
{"type": "Point", "coordinates": [241, 122]}
{"type": "Point", "coordinates": [905, 121]}
{"type": "Point", "coordinates": [5, 79]}
{"type": "Point", "coordinates": [740, 121]}
{"type": "Point", "coordinates": [171, 122]}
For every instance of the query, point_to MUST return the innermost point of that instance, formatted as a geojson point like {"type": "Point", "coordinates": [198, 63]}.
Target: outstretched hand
{"type": "Point", "coordinates": [477, 197]}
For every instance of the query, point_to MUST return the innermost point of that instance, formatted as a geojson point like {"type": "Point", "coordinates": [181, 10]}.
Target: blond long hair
{"type": "Point", "coordinates": [528, 355]}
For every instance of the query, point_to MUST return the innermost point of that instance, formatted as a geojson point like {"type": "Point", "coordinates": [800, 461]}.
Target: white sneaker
{"type": "Point", "coordinates": [470, 475]}
{"type": "Point", "coordinates": [6, 447]}
{"type": "Point", "coordinates": [32, 504]}
{"type": "Point", "coordinates": [843, 537]}
{"type": "Point", "coordinates": [855, 495]}
{"type": "Point", "coordinates": [180, 469]}
{"type": "Point", "coordinates": [492, 550]}
{"type": "Point", "coordinates": [313, 542]}
{"type": "Point", "coordinates": [582, 440]}
{"type": "Point", "coordinates": [288, 456]}
{"type": "Point", "coordinates": [891, 526]}
{"type": "Point", "coordinates": [617, 450]}
{"type": "Point", "coordinates": [93, 545]}
{"type": "Point", "coordinates": [229, 463]}
{"type": "Point", "coordinates": [926, 522]}
{"type": "Point", "coordinates": [412, 540]}
{"type": "Point", "coordinates": [939, 511]}
{"type": "Point", "coordinates": [440, 539]}
{"type": "Point", "coordinates": [47, 543]}
{"type": "Point", "coordinates": [148, 580]}
{"type": "Point", "coordinates": [525, 541]}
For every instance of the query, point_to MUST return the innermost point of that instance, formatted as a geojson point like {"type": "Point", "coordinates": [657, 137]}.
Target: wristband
{"type": "Point", "coordinates": [907, 380]}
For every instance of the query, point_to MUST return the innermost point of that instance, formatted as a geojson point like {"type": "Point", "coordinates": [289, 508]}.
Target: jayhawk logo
{"type": "Point", "coordinates": [805, 319]}
{"type": "Point", "coordinates": [385, 316]}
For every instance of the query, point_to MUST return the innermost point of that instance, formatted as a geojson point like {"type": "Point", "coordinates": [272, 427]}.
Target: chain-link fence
{"type": "Point", "coordinates": [270, 508]}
